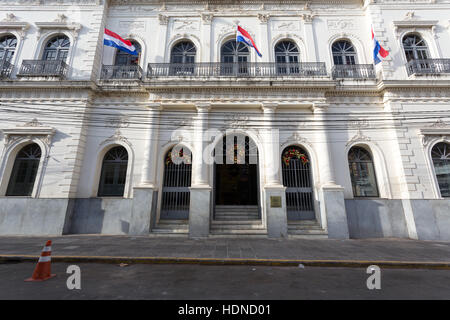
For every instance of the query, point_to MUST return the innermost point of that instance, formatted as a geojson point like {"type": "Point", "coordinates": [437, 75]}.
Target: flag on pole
{"type": "Point", "coordinates": [112, 39]}
{"type": "Point", "coordinates": [379, 52]}
{"type": "Point", "coordinates": [244, 36]}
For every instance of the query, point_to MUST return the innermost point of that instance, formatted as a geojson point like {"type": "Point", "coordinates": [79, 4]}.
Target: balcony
{"type": "Point", "coordinates": [5, 69]}
{"type": "Point", "coordinates": [353, 71]}
{"type": "Point", "coordinates": [125, 72]}
{"type": "Point", "coordinates": [236, 70]}
{"type": "Point", "coordinates": [428, 66]}
{"type": "Point", "coordinates": [43, 68]}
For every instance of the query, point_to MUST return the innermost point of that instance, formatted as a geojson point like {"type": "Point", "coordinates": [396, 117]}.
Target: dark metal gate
{"type": "Point", "coordinates": [298, 183]}
{"type": "Point", "coordinates": [176, 183]}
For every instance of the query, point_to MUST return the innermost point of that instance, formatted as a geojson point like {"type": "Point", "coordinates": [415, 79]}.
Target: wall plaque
{"type": "Point", "coordinates": [275, 202]}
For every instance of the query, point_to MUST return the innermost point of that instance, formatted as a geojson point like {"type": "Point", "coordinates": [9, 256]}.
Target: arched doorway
{"type": "Point", "coordinates": [298, 182]}
{"type": "Point", "coordinates": [236, 177]}
{"type": "Point", "coordinates": [176, 182]}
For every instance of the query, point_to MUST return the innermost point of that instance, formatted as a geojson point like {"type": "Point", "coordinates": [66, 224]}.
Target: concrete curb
{"type": "Point", "coordinates": [233, 261]}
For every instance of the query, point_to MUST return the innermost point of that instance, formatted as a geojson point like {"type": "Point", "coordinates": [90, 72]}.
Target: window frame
{"type": "Point", "coordinates": [120, 167]}
{"type": "Point", "coordinates": [373, 169]}
{"type": "Point", "coordinates": [435, 176]}
{"type": "Point", "coordinates": [344, 55]}
{"type": "Point", "coordinates": [34, 162]}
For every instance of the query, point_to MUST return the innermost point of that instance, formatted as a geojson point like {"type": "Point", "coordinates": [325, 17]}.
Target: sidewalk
{"type": "Point", "coordinates": [116, 249]}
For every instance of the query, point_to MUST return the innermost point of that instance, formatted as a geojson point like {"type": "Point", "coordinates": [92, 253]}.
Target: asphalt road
{"type": "Point", "coordinates": [106, 281]}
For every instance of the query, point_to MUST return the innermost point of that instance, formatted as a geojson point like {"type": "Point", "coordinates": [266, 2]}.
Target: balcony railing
{"type": "Point", "coordinates": [5, 68]}
{"type": "Point", "coordinates": [243, 69]}
{"type": "Point", "coordinates": [428, 66]}
{"type": "Point", "coordinates": [43, 68]}
{"type": "Point", "coordinates": [353, 71]}
{"type": "Point", "coordinates": [127, 72]}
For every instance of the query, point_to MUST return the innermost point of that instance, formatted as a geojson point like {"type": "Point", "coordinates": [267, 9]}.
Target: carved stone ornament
{"type": "Point", "coordinates": [116, 137]}
{"type": "Point", "coordinates": [359, 137]}
{"type": "Point", "coordinates": [439, 129]}
{"type": "Point", "coordinates": [57, 25]}
{"type": "Point", "coordinates": [414, 24]}
{"type": "Point", "coordinates": [264, 18]}
{"type": "Point", "coordinates": [163, 20]}
{"type": "Point", "coordinates": [10, 23]}
{"type": "Point", "coordinates": [207, 18]}
{"type": "Point", "coordinates": [30, 130]}
{"type": "Point", "coordinates": [236, 121]}
{"type": "Point", "coordinates": [298, 138]}
{"type": "Point", "coordinates": [10, 17]}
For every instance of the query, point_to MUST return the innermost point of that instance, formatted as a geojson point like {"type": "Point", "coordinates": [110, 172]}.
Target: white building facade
{"type": "Point", "coordinates": [310, 140]}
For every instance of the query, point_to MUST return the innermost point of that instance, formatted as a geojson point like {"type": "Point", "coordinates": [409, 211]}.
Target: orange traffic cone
{"type": "Point", "coordinates": [42, 271]}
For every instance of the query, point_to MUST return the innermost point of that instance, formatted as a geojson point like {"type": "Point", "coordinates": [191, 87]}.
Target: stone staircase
{"type": "Point", "coordinates": [171, 227]}
{"type": "Point", "coordinates": [307, 229]}
{"type": "Point", "coordinates": [237, 221]}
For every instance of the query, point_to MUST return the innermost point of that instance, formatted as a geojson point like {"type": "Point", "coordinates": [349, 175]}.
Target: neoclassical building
{"type": "Point", "coordinates": [198, 136]}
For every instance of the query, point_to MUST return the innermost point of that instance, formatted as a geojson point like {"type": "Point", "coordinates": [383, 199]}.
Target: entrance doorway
{"type": "Point", "coordinates": [298, 182]}
{"type": "Point", "coordinates": [177, 180]}
{"type": "Point", "coordinates": [236, 173]}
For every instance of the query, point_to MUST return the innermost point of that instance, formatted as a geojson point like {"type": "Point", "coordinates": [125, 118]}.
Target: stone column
{"type": "Point", "coordinates": [145, 195]}
{"type": "Point", "coordinates": [274, 191]}
{"type": "Point", "coordinates": [148, 177]}
{"type": "Point", "coordinates": [200, 204]}
{"type": "Point", "coordinates": [161, 38]}
{"type": "Point", "coordinates": [332, 204]}
{"type": "Point", "coordinates": [206, 54]}
{"type": "Point", "coordinates": [309, 36]}
{"type": "Point", "coordinates": [265, 39]}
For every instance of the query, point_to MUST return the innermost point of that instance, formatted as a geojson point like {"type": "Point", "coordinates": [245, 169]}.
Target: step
{"type": "Point", "coordinates": [252, 221]}
{"type": "Point", "coordinates": [242, 218]}
{"type": "Point", "coordinates": [303, 227]}
{"type": "Point", "coordinates": [237, 227]}
{"type": "Point", "coordinates": [170, 221]}
{"type": "Point", "coordinates": [302, 222]}
{"type": "Point", "coordinates": [307, 232]}
{"type": "Point", "coordinates": [170, 231]}
{"type": "Point", "coordinates": [240, 232]}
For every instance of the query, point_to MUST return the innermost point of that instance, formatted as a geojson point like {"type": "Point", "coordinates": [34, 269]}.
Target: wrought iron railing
{"type": "Point", "coordinates": [43, 68]}
{"type": "Point", "coordinates": [128, 72]}
{"type": "Point", "coordinates": [353, 71]}
{"type": "Point", "coordinates": [5, 68]}
{"type": "Point", "coordinates": [242, 69]}
{"type": "Point", "coordinates": [428, 66]}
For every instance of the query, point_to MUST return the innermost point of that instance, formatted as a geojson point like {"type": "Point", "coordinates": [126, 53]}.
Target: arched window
{"type": "Point", "coordinates": [57, 48]}
{"type": "Point", "coordinates": [24, 171]}
{"type": "Point", "coordinates": [441, 161]}
{"type": "Point", "coordinates": [114, 173]}
{"type": "Point", "coordinates": [362, 173]}
{"type": "Point", "coordinates": [415, 47]}
{"type": "Point", "coordinates": [125, 59]}
{"type": "Point", "coordinates": [7, 47]}
{"type": "Point", "coordinates": [233, 52]}
{"type": "Point", "coordinates": [286, 52]}
{"type": "Point", "coordinates": [183, 52]}
{"type": "Point", "coordinates": [234, 57]}
{"type": "Point", "coordinates": [343, 52]}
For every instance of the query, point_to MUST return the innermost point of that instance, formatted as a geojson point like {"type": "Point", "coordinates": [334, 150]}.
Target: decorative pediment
{"type": "Point", "coordinates": [10, 23]}
{"type": "Point", "coordinates": [358, 137]}
{"type": "Point", "coordinates": [29, 130]}
{"type": "Point", "coordinates": [59, 24]}
{"type": "Point", "coordinates": [439, 129]}
{"type": "Point", "coordinates": [413, 23]}
{"type": "Point", "coordinates": [297, 138]}
{"type": "Point", "coordinates": [116, 137]}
